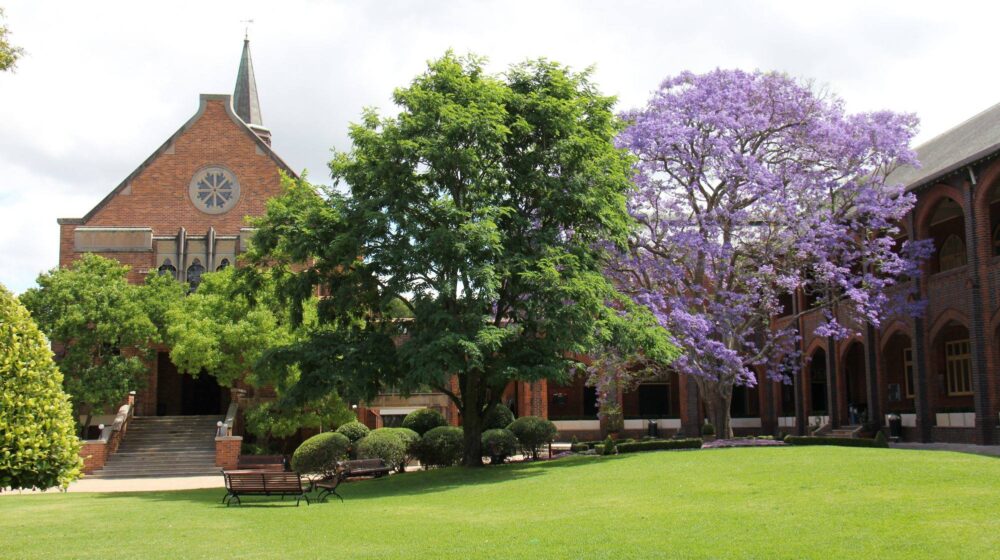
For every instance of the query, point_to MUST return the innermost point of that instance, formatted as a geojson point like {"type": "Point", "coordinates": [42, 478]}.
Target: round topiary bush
{"type": "Point", "coordinates": [37, 430]}
{"type": "Point", "coordinates": [441, 447]}
{"type": "Point", "coordinates": [353, 430]}
{"type": "Point", "coordinates": [383, 444]}
{"type": "Point", "coordinates": [320, 453]}
{"type": "Point", "coordinates": [424, 420]}
{"type": "Point", "coordinates": [410, 441]}
{"type": "Point", "coordinates": [533, 432]}
{"type": "Point", "coordinates": [498, 417]}
{"type": "Point", "coordinates": [498, 444]}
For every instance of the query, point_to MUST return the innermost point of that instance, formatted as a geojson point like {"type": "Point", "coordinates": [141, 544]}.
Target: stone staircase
{"type": "Point", "coordinates": [164, 446]}
{"type": "Point", "coordinates": [844, 431]}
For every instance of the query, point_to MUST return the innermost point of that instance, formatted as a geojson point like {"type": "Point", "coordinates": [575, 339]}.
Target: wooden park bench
{"type": "Point", "coordinates": [262, 483]}
{"type": "Point", "coordinates": [262, 463]}
{"type": "Point", "coordinates": [357, 468]}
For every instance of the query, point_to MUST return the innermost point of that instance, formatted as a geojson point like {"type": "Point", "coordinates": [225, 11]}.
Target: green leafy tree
{"type": "Point", "coordinates": [8, 53]}
{"type": "Point", "coordinates": [38, 443]}
{"type": "Point", "coordinates": [222, 331]}
{"type": "Point", "coordinates": [102, 330]}
{"type": "Point", "coordinates": [484, 207]}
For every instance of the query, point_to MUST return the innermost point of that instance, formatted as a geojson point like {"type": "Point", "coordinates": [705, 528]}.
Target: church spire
{"type": "Point", "coordinates": [245, 102]}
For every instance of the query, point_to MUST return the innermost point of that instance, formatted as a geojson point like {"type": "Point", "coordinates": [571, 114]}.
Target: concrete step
{"type": "Point", "coordinates": [165, 446]}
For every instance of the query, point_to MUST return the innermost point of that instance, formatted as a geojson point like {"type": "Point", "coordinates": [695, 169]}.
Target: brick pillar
{"type": "Point", "coordinates": [768, 406]}
{"type": "Point", "coordinates": [690, 412]}
{"type": "Point", "coordinates": [832, 383]}
{"type": "Point", "coordinates": [539, 398]}
{"type": "Point", "coordinates": [454, 415]}
{"type": "Point", "coordinates": [976, 236]}
{"type": "Point", "coordinates": [227, 451]}
{"type": "Point", "coordinates": [872, 384]}
{"type": "Point", "coordinates": [918, 338]}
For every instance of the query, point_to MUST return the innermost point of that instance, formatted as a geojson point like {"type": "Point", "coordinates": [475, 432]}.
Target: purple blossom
{"type": "Point", "coordinates": [750, 186]}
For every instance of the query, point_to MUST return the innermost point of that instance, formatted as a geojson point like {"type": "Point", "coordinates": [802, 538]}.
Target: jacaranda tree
{"type": "Point", "coordinates": [481, 206]}
{"type": "Point", "coordinates": [750, 186]}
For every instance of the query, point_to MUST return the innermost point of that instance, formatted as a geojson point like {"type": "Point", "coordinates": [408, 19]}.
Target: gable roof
{"type": "Point", "coordinates": [975, 139]}
{"type": "Point", "coordinates": [203, 102]}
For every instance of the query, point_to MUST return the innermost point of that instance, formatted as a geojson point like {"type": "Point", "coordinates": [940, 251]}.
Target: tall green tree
{"type": "Point", "coordinates": [8, 53]}
{"type": "Point", "coordinates": [220, 330]}
{"type": "Point", "coordinates": [102, 328]}
{"type": "Point", "coordinates": [38, 443]}
{"type": "Point", "coordinates": [484, 205]}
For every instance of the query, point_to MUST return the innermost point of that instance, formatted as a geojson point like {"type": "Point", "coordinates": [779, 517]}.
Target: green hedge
{"type": "Point", "coordinates": [689, 443]}
{"type": "Point", "coordinates": [844, 442]}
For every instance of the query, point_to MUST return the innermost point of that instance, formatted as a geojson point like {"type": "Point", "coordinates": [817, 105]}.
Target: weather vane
{"type": "Point", "coordinates": [246, 29]}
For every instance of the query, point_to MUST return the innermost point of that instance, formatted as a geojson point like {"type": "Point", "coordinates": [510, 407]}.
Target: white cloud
{"type": "Point", "coordinates": [104, 84]}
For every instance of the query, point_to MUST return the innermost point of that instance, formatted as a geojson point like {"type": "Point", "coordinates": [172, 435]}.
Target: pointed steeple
{"type": "Point", "coordinates": [245, 102]}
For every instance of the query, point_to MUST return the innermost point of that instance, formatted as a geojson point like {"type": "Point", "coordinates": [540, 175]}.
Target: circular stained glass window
{"type": "Point", "coordinates": [214, 190]}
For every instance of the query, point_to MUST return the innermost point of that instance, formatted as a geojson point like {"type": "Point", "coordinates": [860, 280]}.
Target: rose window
{"type": "Point", "coordinates": [214, 190]}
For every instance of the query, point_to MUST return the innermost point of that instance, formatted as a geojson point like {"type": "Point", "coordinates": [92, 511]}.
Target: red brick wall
{"type": "Point", "coordinates": [227, 451]}
{"type": "Point", "coordinates": [158, 195]}
{"type": "Point", "coordinates": [94, 455]}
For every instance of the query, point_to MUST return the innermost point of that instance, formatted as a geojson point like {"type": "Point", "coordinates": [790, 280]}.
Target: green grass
{"type": "Point", "coordinates": [728, 503]}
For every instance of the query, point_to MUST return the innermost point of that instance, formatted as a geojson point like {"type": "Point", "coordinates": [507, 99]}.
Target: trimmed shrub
{"type": "Point", "coordinates": [320, 453]}
{"type": "Point", "coordinates": [845, 442]}
{"type": "Point", "coordinates": [383, 444]}
{"type": "Point", "coordinates": [656, 445]}
{"type": "Point", "coordinates": [498, 417]}
{"type": "Point", "coordinates": [441, 447]}
{"type": "Point", "coordinates": [37, 430]}
{"type": "Point", "coordinates": [353, 431]}
{"type": "Point", "coordinates": [499, 444]}
{"type": "Point", "coordinates": [880, 440]}
{"type": "Point", "coordinates": [424, 420]}
{"type": "Point", "coordinates": [579, 447]}
{"type": "Point", "coordinates": [707, 429]}
{"type": "Point", "coordinates": [609, 447]}
{"type": "Point", "coordinates": [410, 441]}
{"type": "Point", "coordinates": [533, 432]}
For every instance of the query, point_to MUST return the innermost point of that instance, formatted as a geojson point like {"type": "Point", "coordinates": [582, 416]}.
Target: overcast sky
{"type": "Point", "coordinates": [103, 84]}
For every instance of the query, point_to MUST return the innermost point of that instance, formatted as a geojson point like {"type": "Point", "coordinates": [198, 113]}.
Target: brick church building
{"type": "Point", "coordinates": [183, 212]}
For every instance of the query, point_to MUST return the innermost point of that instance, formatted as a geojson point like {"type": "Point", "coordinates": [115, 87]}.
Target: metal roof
{"type": "Point", "coordinates": [970, 141]}
{"type": "Point", "coordinates": [245, 102]}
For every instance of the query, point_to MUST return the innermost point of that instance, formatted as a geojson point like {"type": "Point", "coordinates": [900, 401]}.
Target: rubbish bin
{"type": "Point", "coordinates": [652, 430]}
{"type": "Point", "coordinates": [895, 427]}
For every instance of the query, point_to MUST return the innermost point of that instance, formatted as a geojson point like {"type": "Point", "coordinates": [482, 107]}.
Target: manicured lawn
{"type": "Point", "coordinates": [729, 503]}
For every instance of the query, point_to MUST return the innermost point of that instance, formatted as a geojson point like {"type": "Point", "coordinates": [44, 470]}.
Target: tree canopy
{"type": "Point", "coordinates": [38, 443]}
{"type": "Point", "coordinates": [102, 327]}
{"type": "Point", "coordinates": [750, 186]}
{"type": "Point", "coordinates": [9, 54]}
{"type": "Point", "coordinates": [482, 206]}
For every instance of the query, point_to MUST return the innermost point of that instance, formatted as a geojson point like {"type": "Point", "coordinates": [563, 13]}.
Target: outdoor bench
{"type": "Point", "coordinates": [262, 483]}
{"type": "Point", "coordinates": [350, 469]}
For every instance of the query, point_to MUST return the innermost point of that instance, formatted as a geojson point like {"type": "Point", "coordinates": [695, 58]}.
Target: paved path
{"type": "Point", "coordinates": [991, 450]}
{"type": "Point", "coordinates": [147, 484]}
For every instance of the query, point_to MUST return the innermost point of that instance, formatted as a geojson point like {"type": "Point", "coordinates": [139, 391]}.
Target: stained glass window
{"type": "Point", "coordinates": [167, 268]}
{"type": "Point", "coordinates": [214, 190]}
{"type": "Point", "coordinates": [194, 274]}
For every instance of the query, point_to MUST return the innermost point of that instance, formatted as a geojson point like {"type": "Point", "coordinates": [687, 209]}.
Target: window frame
{"type": "Point", "coordinates": [958, 367]}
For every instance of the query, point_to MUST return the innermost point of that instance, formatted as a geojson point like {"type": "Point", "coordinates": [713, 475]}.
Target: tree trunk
{"type": "Point", "coordinates": [472, 430]}
{"type": "Point", "coordinates": [717, 402]}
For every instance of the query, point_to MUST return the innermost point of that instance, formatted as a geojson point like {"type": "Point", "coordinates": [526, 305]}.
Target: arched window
{"type": "Point", "coordinates": [167, 268]}
{"type": "Point", "coordinates": [952, 253]}
{"type": "Point", "coordinates": [194, 274]}
{"type": "Point", "coordinates": [996, 240]}
{"type": "Point", "coordinates": [222, 265]}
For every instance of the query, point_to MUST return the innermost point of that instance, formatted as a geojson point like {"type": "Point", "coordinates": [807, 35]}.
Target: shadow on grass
{"type": "Point", "coordinates": [399, 485]}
